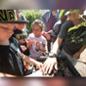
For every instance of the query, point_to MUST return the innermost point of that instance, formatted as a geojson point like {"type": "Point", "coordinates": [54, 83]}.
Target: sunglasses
{"type": "Point", "coordinates": [6, 29]}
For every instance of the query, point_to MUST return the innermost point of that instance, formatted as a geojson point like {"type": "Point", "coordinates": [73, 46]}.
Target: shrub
{"type": "Point", "coordinates": [31, 15]}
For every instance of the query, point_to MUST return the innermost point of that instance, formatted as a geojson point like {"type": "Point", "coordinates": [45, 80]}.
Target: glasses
{"type": "Point", "coordinates": [36, 30]}
{"type": "Point", "coordinates": [5, 29]}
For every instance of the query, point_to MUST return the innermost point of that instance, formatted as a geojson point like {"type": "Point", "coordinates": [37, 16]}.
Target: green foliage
{"type": "Point", "coordinates": [31, 15]}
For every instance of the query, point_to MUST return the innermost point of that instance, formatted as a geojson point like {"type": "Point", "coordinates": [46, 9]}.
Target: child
{"type": "Point", "coordinates": [37, 43]}
{"type": "Point", "coordinates": [11, 58]}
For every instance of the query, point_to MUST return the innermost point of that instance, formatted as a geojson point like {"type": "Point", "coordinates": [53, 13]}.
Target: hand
{"type": "Point", "coordinates": [38, 65]}
{"type": "Point", "coordinates": [27, 62]}
{"type": "Point", "coordinates": [29, 43]}
{"type": "Point", "coordinates": [48, 65]}
{"type": "Point", "coordinates": [23, 48]}
{"type": "Point", "coordinates": [46, 35]}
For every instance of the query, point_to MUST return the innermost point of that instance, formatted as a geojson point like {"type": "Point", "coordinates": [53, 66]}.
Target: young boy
{"type": "Point", "coordinates": [37, 42]}
{"type": "Point", "coordinates": [11, 59]}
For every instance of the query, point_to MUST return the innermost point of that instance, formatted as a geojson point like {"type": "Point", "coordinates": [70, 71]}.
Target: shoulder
{"type": "Point", "coordinates": [13, 40]}
{"type": "Point", "coordinates": [57, 24]}
{"type": "Point", "coordinates": [67, 24]}
{"type": "Point", "coordinates": [31, 35]}
{"type": "Point", "coordinates": [64, 28]}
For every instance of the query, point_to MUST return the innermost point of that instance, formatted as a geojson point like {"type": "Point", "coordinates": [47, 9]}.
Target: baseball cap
{"type": "Point", "coordinates": [10, 16]}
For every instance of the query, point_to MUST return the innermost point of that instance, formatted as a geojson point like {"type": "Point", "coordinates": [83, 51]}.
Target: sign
{"type": "Point", "coordinates": [7, 15]}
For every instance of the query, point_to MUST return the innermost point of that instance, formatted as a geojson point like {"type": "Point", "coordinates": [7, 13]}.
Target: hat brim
{"type": "Point", "coordinates": [26, 22]}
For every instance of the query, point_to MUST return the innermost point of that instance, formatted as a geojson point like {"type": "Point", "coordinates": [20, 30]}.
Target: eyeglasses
{"type": "Point", "coordinates": [36, 30]}
{"type": "Point", "coordinates": [5, 29]}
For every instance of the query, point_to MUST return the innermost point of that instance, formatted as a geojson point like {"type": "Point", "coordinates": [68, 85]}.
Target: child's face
{"type": "Point", "coordinates": [6, 31]}
{"type": "Point", "coordinates": [36, 30]}
{"type": "Point", "coordinates": [20, 26]}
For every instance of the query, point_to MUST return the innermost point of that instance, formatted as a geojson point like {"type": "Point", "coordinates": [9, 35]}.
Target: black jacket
{"type": "Point", "coordinates": [10, 61]}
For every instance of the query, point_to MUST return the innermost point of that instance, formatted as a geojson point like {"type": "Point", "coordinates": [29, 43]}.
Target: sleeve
{"type": "Point", "coordinates": [45, 43]}
{"type": "Point", "coordinates": [63, 31]}
{"type": "Point", "coordinates": [16, 45]}
{"type": "Point", "coordinates": [56, 29]}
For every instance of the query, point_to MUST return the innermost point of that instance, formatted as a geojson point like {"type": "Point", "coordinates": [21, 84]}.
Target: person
{"type": "Point", "coordinates": [38, 43]}
{"type": "Point", "coordinates": [20, 28]}
{"type": "Point", "coordinates": [70, 48]}
{"type": "Point", "coordinates": [56, 28]}
{"type": "Point", "coordinates": [11, 58]}
{"type": "Point", "coordinates": [49, 19]}
{"type": "Point", "coordinates": [21, 32]}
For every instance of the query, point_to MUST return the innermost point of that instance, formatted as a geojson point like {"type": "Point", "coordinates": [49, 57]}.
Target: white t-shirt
{"type": "Point", "coordinates": [33, 50]}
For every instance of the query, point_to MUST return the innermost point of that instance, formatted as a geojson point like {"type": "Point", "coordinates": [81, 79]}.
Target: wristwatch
{"type": "Point", "coordinates": [51, 55]}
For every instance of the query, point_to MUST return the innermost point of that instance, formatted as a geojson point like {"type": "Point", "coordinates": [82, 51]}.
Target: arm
{"type": "Point", "coordinates": [29, 60]}
{"type": "Point", "coordinates": [77, 54]}
{"type": "Point", "coordinates": [45, 45]}
{"type": "Point", "coordinates": [56, 45]}
{"type": "Point", "coordinates": [46, 35]}
{"type": "Point", "coordinates": [50, 63]}
{"type": "Point", "coordinates": [6, 75]}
